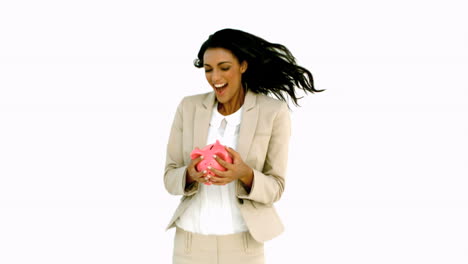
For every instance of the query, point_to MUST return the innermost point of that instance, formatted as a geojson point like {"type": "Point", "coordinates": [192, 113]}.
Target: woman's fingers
{"type": "Point", "coordinates": [218, 172]}
{"type": "Point", "coordinates": [197, 160]}
{"type": "Point", "coordinates": [223, 163]}
{"type": "Point", "coordinates": [235, 155]}
{"type": "Point", "coordinates": [199, 176]}
{"type": "Point", "coordinates": [218, 182]}
{"type": "Point", "coordinates": [192, 170]}
{"type": "Point", "coordinates": [221, 177]}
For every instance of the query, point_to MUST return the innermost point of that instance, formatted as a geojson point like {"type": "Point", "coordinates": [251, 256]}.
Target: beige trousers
{"type": "Point", "coordinates": [240, 248]}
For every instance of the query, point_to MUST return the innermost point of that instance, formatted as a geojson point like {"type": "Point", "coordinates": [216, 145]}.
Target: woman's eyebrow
{"type": "Point", "coordinates": [206, 64]}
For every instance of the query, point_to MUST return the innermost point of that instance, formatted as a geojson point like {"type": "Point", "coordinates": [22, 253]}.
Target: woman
{"type": "Point", "coordinates": [226, 218]}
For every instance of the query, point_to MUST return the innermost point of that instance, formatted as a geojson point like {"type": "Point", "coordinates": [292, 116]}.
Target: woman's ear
{"type": "Point", "coordinates": [243, 66]}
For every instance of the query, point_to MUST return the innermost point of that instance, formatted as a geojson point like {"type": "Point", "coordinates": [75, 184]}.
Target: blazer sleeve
{"type": "Point", "coordinates": [268, 184]}
{"type": "Point", "coordinates": [175, 168]}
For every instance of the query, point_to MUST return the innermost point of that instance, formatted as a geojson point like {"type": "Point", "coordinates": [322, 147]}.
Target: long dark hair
{"type": "Point", "coordinates": [271, 66]}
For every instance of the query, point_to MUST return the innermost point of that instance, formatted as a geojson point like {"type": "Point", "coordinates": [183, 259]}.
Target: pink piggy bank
{"type": "Point", "coordinates": [208, 160]}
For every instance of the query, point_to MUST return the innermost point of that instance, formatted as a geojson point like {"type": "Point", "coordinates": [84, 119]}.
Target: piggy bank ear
{"type": "Point", "coordinates": [196, 153]}
{"type": "Point", "coordinates": [217, 144]}
{"type": "Point", "coordinates": [224, 155]}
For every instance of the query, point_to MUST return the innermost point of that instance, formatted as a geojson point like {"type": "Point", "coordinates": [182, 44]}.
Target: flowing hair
{"type": "Point", "coordinates": [271, 69]}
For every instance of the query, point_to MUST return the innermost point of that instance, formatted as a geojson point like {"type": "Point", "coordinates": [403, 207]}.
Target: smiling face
{"type": "Point", "coordinates": [224, 73]}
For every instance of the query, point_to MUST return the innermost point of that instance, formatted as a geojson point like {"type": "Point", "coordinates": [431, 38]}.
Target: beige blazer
{"type": "Point", "coordinates": [263, 145]}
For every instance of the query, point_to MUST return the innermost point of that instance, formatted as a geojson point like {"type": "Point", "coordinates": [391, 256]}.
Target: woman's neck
{"type": "Point", "coordinates": [233, 105]}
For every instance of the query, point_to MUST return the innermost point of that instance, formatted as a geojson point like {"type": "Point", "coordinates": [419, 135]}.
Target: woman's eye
{"type": "Point", "coordinates": [208, 70]}
{"type": "Point", "coordinates": [225, 69]}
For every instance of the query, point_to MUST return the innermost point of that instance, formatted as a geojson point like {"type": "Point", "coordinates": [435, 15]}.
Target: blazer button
{"type": "Point", "coordinates": [241, 201]}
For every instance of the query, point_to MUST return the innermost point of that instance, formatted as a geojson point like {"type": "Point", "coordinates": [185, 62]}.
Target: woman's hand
{"type": "Point", "coordinates": [192, 173]}
{"type": "Point", "coordinates": [237, 170]}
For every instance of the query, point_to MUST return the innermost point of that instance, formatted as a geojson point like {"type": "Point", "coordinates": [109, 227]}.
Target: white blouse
{"type": "Point", "coordinates": [213, 210]}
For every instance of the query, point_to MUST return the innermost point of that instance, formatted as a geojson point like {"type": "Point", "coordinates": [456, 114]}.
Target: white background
{"type": "Point", "coordinates": [378, 163]}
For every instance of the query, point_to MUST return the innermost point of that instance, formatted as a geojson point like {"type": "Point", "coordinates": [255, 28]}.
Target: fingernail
{"type": "Point", "coordinates": [204, 171]}
{"type": "Point", "coordinates": [214, 156]}
{"type": "Point", "coordinates": [201, 157]}
{"type": "Point", "coordinates": [209, 167]}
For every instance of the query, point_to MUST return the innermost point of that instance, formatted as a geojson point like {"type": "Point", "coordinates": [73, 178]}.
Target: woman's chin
{"type": "Point", "coordinates": [220, 100]}
{"type": "Point", "coordinates": [220, 97]}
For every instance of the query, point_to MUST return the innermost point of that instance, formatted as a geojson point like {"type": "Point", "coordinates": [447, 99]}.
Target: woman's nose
{"type": "Point", "coordinates": [216, 76]}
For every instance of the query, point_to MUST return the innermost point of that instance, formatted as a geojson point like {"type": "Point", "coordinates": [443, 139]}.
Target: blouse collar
{"type": "Point", "coordinates": [232, 120]}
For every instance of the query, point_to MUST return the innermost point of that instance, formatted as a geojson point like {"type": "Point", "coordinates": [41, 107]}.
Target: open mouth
{"type": "Point", "coordinates": [220, 87]}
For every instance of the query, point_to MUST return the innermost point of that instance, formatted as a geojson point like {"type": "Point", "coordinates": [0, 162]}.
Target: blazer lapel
{"type": "Point", "coordinates": [248, 124]}
{"type": "Point", "coordinates": [202, 121]}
